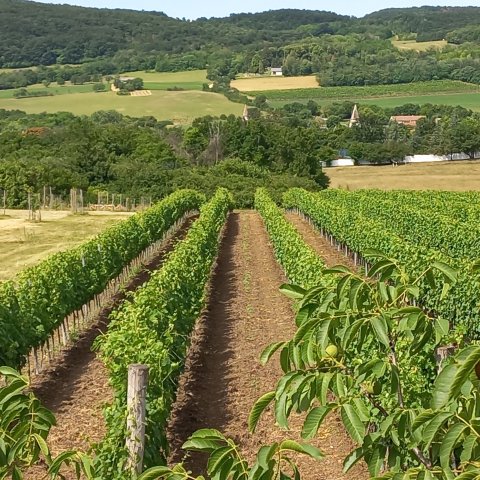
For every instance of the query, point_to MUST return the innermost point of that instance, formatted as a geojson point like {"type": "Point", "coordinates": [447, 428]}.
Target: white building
{"type": "Point", "coordinates": [277, 72]}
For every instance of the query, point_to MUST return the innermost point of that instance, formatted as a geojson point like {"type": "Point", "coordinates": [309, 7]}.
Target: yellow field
{"type": "Point", "coordinates": [261, 84]}
{"type": "Point", "coordinates": [419, 46]}
{"type": "Point", "coordinates": [457, 176]}
{"type": "Point", "coordinates": [23, 243]}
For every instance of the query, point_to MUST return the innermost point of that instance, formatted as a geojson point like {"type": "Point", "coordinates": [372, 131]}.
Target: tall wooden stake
{"type": "Point", "coordinates": [29, 206]}
{"type": "Point", "coordinates": [136, 402]}
{"type": "Point", "coordinates": [81, 202]}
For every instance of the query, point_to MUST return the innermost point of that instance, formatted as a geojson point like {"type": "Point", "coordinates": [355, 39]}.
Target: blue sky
{"type": "Point", "coordinates": [217, 8]}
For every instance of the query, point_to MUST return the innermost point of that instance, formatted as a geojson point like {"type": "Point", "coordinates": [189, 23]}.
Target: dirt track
{"type": "Point", "coordinates": [330, 255]}
{"type": "Point", "coordinates": [223, 378]}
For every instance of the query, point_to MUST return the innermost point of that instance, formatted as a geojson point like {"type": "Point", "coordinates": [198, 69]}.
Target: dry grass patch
{"type": "Point", "coordinates": [259, 84]}
{"type": "Point", "coordinates": [419, 46]}
{"type": "Point", "coordinates": [23, 243]}
{"type": "Point", "coordinates": [455, 176]}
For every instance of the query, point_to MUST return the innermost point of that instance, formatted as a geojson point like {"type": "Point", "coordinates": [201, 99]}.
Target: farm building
{"type": "Point", "coordinates": [277, 72]}
{"type": "Point", "coordinates": [407, 120]}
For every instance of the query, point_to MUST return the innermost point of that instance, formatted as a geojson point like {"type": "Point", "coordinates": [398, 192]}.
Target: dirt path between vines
{"type": "Point", "coordinates": [223, 377]}
{"type": "Point", "coordinates": [330, 255]}
{"type": "Point", "coordinates": [76, 388]}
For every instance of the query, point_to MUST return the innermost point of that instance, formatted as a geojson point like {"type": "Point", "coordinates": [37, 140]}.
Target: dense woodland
{"type": "Point", "coordinates": [340, 50]}
{"type": "Point", "coordinates": [280, 149]}
{"type": "Point", "coordinates": [139, 157]}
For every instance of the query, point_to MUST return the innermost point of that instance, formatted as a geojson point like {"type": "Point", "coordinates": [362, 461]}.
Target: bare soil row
{"type": "Point", "coordinates": [223, 378]}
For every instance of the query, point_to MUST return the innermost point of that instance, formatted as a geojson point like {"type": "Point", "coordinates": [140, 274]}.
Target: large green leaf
{"type": "Point", "coordinates": [449, 272]}
{"type": "Point", "coordinates": [473, 474]}
{"type": "Point", "coordinates": [449, 442]}
{"type": "Point", "coordinates": [269, 351]}
{"type": "Point", "coordinates": [313, 421]}
{"type": "Point", "coordinates": [306, 449]}
{"type": "Point", "coordinates": [468, 447]}
{"type": "Point", "coordinates": [154, 473]}
{"type": "Point", "coordinates": [259, 407]}
{"type": "Point", "coordinates": [441, 391]}
{"type": "Point", "coordinates": [380, 327]}
{"type": "Point", "coordinates": [471, 356]}
{"type": "Point", "coordinates": [432, 428]}
{"type": "Point", "coordinates": [352, 423]}
{"type": "Point", "coordinates": [218, 458]}
{"type": "Point", "coordinates": [353, 458]}
{"type": "Point", "coordinates": [293, 291]}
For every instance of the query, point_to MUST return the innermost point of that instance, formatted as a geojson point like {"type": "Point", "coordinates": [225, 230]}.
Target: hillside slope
{"type": "Point", "coordinates": [33, 33]}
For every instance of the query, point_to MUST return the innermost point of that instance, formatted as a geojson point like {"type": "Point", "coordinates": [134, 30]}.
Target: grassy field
{"type": "Point", "coordinates": [179, 107]}
{"type": "Point", "coordinates": [23, 243]}
{"type": "Point", "coordinates": [467, 100]}
{"type": "Point", "coordinates": [458, 176]}
{"type": "Point", "coordinates": [448, 92]}
{"type": "Point", "coordinates": [191, 80]}
{"type": "Point", "coordinates": [53, 88]}
{"type": "Point", "coordinates": [419, 46]}
{"type": "Point", "coordinates": [265, 84]}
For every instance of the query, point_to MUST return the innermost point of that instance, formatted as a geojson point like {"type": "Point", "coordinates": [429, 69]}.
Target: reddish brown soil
{"type": "Point", "coordinates": [76, 387]}
{"type": "Point", "coordinates": [223, 378]}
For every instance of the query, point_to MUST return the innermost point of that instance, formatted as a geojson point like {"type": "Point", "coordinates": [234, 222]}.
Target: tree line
{"type": "Point", "coordinates": [279, 149]}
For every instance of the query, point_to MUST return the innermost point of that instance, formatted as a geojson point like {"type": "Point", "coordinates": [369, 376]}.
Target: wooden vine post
{"type": "Point", "coordinates": [136, 403]}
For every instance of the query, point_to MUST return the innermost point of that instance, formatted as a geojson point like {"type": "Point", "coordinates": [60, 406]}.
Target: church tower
{"type": "Point", "coordinates": [354, 118]}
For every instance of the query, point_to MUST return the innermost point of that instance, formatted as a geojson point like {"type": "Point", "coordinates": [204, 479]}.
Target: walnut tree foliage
{"type": "Point", "coordinates": [351, 355]}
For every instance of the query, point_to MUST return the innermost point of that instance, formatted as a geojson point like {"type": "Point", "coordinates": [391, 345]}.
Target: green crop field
{"type": "Point", "coordinates": [179, 107]}
{"type": "Point", "coordinates": [445, 92]}
{"type": "Point", "coordinates": [53, 89]}
{"type": "Point", "coordinates": [467, 100]}
{"type": "Point", "coordinates": [189, 80]}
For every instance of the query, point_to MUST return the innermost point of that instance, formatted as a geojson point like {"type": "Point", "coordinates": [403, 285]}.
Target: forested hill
{"type": "Point", "coordinates": [429, 23]}
{"type": "Point", "coordinates": [34, 33]}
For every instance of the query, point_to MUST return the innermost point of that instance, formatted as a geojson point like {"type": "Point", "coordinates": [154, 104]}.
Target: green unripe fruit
{"type": "Point", "coordinates": [373, 388]}
{"type": "Point", "coordinates": [331, 351]}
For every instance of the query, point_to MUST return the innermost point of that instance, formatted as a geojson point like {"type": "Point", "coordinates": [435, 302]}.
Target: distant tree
{"type": "Point", "coordinates": [99, 87]}
{"type": "Point", "coordinates": [22, 92]}
{"type": "Point", "coordinates": [260, 101]}
{"type": "Point", "coordinates": [194, 142]}
{"type": "Point", "coordinates": [333, 121]}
